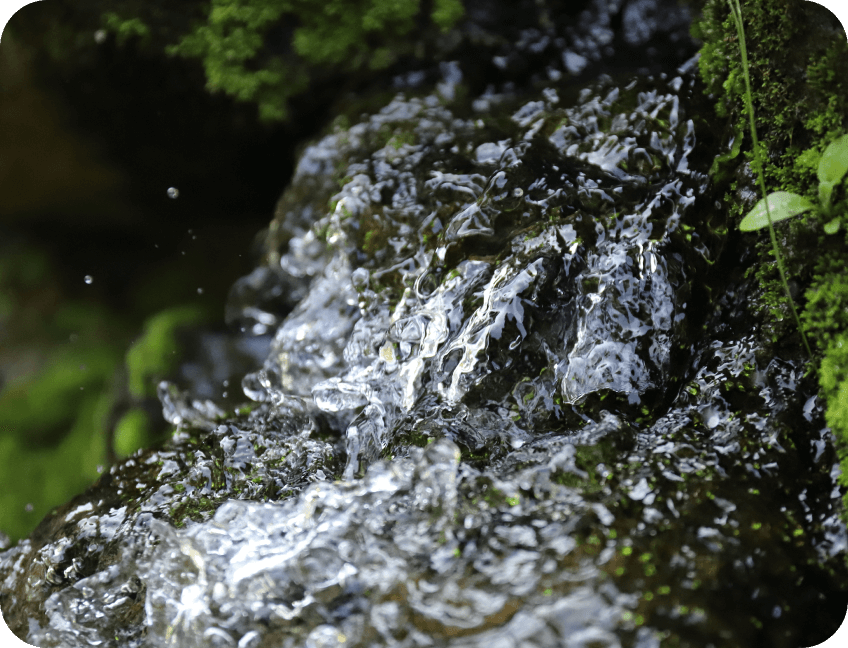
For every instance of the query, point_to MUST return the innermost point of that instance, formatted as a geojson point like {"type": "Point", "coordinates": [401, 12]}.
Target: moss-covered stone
{"type": "Point", "coordinates": [798, 57]}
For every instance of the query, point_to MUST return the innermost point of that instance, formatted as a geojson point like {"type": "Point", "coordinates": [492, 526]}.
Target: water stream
{"type": "Point", "coordinates": [519, 401]}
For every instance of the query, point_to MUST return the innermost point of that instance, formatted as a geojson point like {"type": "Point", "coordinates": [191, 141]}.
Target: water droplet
{"type": "Point", "coordinates": [100, 36]}
{"type": "Point", "coordinates": [173, 193]}
{"type": "Point", "coordinates": [28, 508]}
{"type": "Point", "coordinates": [89, 279]}
{"type": "Point", "coordinates": [100, 468]}
{"type": "Point", "coordinates": [200, 291]}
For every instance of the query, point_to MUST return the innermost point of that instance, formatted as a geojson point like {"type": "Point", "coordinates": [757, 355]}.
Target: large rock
{"type": "Point", "coordinates": [519, 401]}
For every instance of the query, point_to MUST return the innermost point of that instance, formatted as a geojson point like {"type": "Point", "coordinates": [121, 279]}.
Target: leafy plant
{"type": "Point", "coordinates": [833, 166]}
{"type": "Point", "coordinates": [736, 12]}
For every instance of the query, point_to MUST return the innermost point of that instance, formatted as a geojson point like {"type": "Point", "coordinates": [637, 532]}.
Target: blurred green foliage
{"type": "Point", "coordinates": [155, 353]}
{"type": "Point", "coordinates": [58, 359]}
{"type": "Point", "coordinates": [269, 51]}
{"type": "Point", "coordinates": [132, 432]}
{"type": "Point", "coordinates": [35, 479]}
{"type": "Point", "coordinates": [125, 29]}
{"type": "Point", "coordinates": [68, 373]}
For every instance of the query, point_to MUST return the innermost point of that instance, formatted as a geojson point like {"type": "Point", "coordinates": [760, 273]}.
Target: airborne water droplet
{"type": "Point", "coordinates": [89, 279]}
{"type": "Point", "coordinates": [173, 192]}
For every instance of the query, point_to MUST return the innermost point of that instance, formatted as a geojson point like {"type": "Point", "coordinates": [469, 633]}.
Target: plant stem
{"type": "Point", "coordinates": [736, 12]}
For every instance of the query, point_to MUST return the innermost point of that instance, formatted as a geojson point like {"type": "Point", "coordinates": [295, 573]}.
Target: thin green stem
{"type": "Point", "coordinates": [736, 12]}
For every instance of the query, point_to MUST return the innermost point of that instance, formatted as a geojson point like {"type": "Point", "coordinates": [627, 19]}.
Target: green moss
{"type": "Point", "coordinates": [799, 73]}
{"type": "Point", "coordinates": [35, 479]}
{"type": "Point", "coordinates": [58, 357]}
{"type": "Point", "coordinates": [799, 101]}
{"type": "Point", "coordinates": [587, 459]}
{"type": "Point", "coordinates": [132, 432]}
{"type": "Point", "coordinates": [826, 315]}
{"type": "Point", "coordinates": [154, 355]}
{"type": "Point", "coordinates": [126, 29]}
{"type": "Point", "coordinates": [40, 406]}
{"type": "Point", "coordinates": [446, 13]}
{"type": "Point", "coordinates": [836, 416]}
{"type": "Point", "coordinates": [197, 509]}
{"type": "Point", "coordinates": [331, 35]}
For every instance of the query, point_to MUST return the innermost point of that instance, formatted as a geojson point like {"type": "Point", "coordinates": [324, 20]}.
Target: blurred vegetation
{"type": "Point", "coordinates": [58, 359]}
{"type": "Point", "coordinates": [72, 397]}
{"type": "Point", "coordinates": [269, 51]}
{"type": "Point", "coordinates": [154, 355]}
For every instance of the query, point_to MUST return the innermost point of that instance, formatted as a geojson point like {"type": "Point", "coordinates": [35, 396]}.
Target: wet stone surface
{"type": "Point", "coordinates": [514, 397]}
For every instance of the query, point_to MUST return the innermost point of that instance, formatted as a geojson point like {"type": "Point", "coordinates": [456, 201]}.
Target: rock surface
{"type": "Point", "coordinates": [518, 401]}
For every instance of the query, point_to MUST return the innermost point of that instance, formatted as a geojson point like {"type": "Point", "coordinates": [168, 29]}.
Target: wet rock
{"type": "Point", "coordinates": [501, 412]}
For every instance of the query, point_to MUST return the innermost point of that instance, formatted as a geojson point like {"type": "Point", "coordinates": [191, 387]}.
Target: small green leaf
{"type": "Point", "coordinates": [834, 161]}
{"type": "Point", "coordinates": [782, 204]}
{"type": "Point", "coordinates": [832, 227]}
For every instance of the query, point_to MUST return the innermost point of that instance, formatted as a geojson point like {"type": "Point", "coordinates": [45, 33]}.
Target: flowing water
{"type": "Point", "coordinates": [514, 397]}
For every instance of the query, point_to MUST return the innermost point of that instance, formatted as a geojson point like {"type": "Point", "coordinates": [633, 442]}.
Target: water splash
{"type": "Point", "coordinates": [492, 412]}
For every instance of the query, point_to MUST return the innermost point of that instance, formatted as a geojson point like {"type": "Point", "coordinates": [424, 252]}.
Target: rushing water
{"type": "Point", "coordinates": [514, 397]}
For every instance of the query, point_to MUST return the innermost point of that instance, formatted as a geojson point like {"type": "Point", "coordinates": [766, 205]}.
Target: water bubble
{"type": "Point", "coordinates": [173, 193]}
{"type": "Point", "coordinates": [89, 279]}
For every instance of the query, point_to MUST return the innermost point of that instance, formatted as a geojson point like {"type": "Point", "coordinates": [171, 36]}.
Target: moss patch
{"type": "Point", "coordinates": [799, 72]}
{"type": "Point", "coordinates": [155, 353]}
{"type": "Point", "coordinates": [249, 49]}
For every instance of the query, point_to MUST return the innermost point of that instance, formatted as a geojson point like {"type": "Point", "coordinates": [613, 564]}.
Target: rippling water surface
{"type": "Point", "coordinates": [514, 404]}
